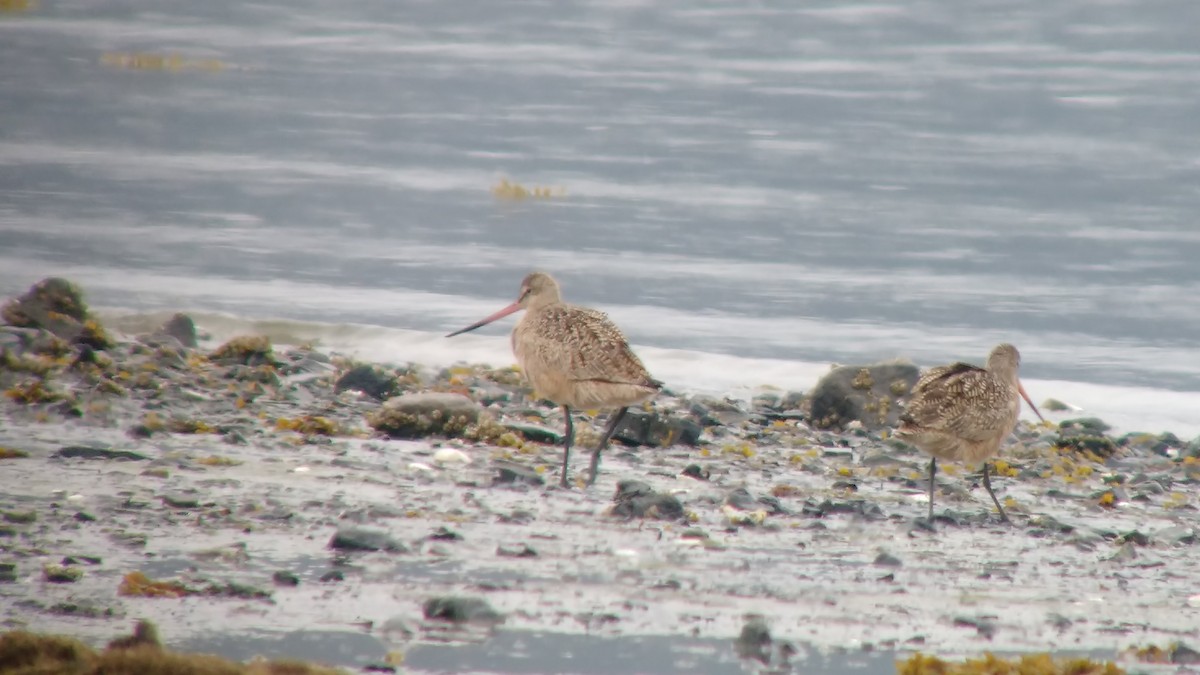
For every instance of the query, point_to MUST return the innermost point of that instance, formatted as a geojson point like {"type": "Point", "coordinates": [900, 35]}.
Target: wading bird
{"type": "Point", "coordinates": [575, 357]}
{"type": "Point", "coordinates": [963, 413]}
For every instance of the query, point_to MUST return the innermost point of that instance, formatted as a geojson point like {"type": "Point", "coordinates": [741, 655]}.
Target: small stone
{"type": "Point", "coordinates": [521, 550]}
{"type": "Point", "coordinates": [695, 471]}
{"type": "Point", "coordinates": [450, 456]}
{"type": "Point", "coordinates": [89, 452]}
{"type": "Point", "coordinates": [1055, 405]}
{"type": "Point", "coordinates": [177, 501]}
{"type": "Point", "coordinates": [1183, 655]}
{"type": "Point", "coordinates": [1178, 535]}
{"type": "Point", "coordinates": [370, 380]}
{"type": "Point", "coordinates": [8, 573]}
{"type": "Point", "coordinates": [741, 499]}
{"type": "Point", "coordinates": [656, 429]}
{"type": "Point", "coordinates": [984, 626]}
{"type": "Point", "coordinates": [508, 473]}
{"type": "Point", "coordinates": [182, 328]}
{"type": "Point", "coordinates": [635, 499]}
{"type": "Point", "coordinates": [285, 578]}
{"type": "Point", "coordinates": [1127, 553]}
{"type": "Point", "coordinates": [754, 642]}
{"type": "Point", "coordinates": [361, 539]}
{"type": "Point", "coordinates": [84, 517]}
{"type": "Point", "coordinates": [461, 610]}
{"type": "Point", "coordinates": [445, 534]}
{"type": "Point", "coordinates": [332, 575]}
{"type": "Point", "coordinates": [536, 434]}
{"type": "Point", "coordinates": [885, 559]}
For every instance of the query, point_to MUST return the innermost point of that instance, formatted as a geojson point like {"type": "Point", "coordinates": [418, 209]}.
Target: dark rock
{"type": "Point", "coordinates": [8, 573]}
{"type": "Point", "coordinates": [1182, 655]}
{"type": "Point", "coordinates": [517, 551]}
{"type": "Point", "coordinates": [656, 429]}
{"type": "Point", "coordinates": [461, 610]}
{"type": "Point", "coordinates": [695, 471]}
{"type": "Point", "coordinates": [370, 380]}
{"type": "Point", "coordinates": [858, 507]}
{"type": "Point", "coordinates": [635, 499]}
{"type": "Point", "coordinates": [425, 414]}
{"type": "Point", "coordinates": [774, 506]}
{"type": "Point", "coordinates": [88, 452]}
{"type": "Point", "coordinates": [984, 626]}
{"type": "Point", "coordinates": [509, 472]}
{"type": "Point", "coordinates": [536, 434]}
{"type": "Point", "coordinates": [360, 539]}
{"type": "Point", "coordinates": [332, 575]}
{"type": "Point", "coordinates": [182, 328]}
{"type": "Point", "coordinates": [1092, 426]}
{"type": "Point", "coordinates": [885, 559]}
{"type": "Point", "coordinates": [754, 642]}
{"type": "Point", "coordinates": [1136, 538]}
{"type": "Point", "coordinates": [710, 411]}
{"type": "Point", "coordinates": [741, 499]}
{"type": "Point", "coordinates": [177, 501]}
{"type": "Point", "coordinates": [872, 395]}
{"type": "Point", "coordinates": [445, 534]}
{"type": "Point", "coordinates": [78, 559]}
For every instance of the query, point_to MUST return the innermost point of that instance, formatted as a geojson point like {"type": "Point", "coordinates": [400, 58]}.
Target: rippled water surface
{"type": "Point", "coordinates": [815, 182]}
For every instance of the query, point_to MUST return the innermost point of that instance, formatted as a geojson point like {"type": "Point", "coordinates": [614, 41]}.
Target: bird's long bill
{"type": "Point", "coordinates": [483, 322]}
{"type": "Point", "coordinates": [1021, 388]}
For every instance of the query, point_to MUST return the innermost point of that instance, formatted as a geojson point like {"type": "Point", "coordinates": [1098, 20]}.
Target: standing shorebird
{"type": "Point", "coordinates": [962, 412]}
{"type": "Point", "coordinates": [575, 357]}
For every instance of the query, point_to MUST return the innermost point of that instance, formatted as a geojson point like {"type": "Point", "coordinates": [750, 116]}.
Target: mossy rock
{"type": "Point", "coordinates": [870, 394]}
{"type": "Point", "coordinates": [50, 298]}
{"type": "Point", "coordinates": [1032, 664]}
{"type": "Point", "coordinates": [246, 350]}
{"type": "Point", "coordinates": [26, 653]}
{"type": "Point", "coordinates": [425, 414]}
{"type": "Point", "coordinates": [56, 305]}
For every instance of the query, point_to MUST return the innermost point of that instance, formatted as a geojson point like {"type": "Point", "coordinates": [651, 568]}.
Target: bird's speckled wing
{"type": "Point", "coordinates": [583, 344]}
{"type": "Point", "coordinates": [959, 399]}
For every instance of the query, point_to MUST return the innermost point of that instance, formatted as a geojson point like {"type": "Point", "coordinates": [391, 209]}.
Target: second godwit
{"type": "Point", "coordinates": [575, 357]}
{"type": "Point", "coordinates": [962, 412]}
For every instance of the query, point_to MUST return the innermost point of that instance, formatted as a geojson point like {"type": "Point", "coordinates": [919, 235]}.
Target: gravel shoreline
{"type": "Point", "coordinates": [405, 517]}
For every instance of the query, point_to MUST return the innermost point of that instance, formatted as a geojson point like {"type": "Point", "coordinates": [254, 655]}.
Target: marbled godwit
{"type": "Point", "coordinates": [962, 412]}
{"type": "Point", "coordinates": [575, 357]}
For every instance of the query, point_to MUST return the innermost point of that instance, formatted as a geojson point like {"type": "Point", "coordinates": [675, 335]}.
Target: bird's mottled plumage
{"type": "Point", "coordinates": [575, 357]}
{"type": "Point", "coordinates": [961, 412]}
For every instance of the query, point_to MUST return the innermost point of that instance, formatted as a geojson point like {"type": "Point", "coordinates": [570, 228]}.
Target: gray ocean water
{"type": "Point", "coordinates": [801, 181]}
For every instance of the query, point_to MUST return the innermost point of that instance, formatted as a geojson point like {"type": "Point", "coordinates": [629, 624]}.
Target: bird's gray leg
{"type": "Point", "coordinates": [932, 471]}
{"type": "Point", "coordinates": [987, 483]}
{"type": "Point", "coordinates": [608, 432]}
{"type": "Point", "coordinates": [566, 445]}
